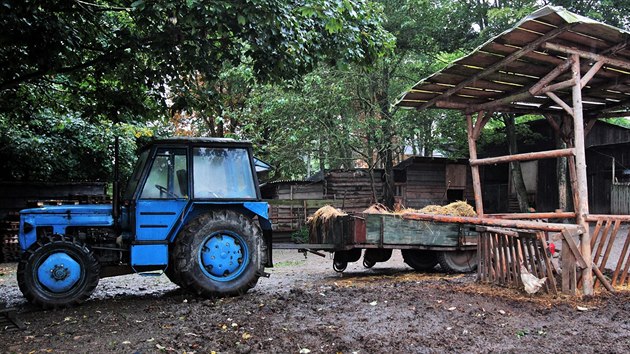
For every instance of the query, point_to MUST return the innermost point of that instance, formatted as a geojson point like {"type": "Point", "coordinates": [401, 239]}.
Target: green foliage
{"type": "Point", "coordinates": [50, 148]}
{"type": "Point", "coordinates": [300, 236]}
{"type": "Point", "coordinates": [150, 61]}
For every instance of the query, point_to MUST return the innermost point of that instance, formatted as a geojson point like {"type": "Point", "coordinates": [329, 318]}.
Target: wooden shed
{"type": "Point", "coordinates": [605, 144]}
{"type": "Point", "coordinates": [291, 202]}
{"type": "Point", "coordinates": [572, 70]}
{"type": "Point", "coordinates": [421, 181]}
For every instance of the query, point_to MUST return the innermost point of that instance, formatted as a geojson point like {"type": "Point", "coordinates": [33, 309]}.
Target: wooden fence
{"type": "Point", "coordinates": [603, 241]}
{"type": "Point", "coordinates": [502, 252]}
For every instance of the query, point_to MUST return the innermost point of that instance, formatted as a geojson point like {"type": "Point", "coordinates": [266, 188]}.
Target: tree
{"type": "Point", "coordinates": [125, 61]}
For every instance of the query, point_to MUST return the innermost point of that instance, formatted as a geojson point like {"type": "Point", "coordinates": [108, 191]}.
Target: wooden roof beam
{"type": "Point", "coordinates": [540, 85]}
{"type": "Point", "coordinates": [506, 60]}
{"type": "Point", "coordinates": [587, 55]}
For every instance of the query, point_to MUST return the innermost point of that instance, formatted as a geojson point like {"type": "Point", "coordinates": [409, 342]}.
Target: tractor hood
{"type": "Point", "coordinates": [61, 217]}
{"type": "Point", "coordinates": [90, 209]}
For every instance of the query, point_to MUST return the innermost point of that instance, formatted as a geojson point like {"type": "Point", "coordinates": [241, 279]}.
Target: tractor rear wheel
{"type": "Point", "coordinates": [220, 253]}
{"type": "Point", "coordinates": [420, 260]}
{"type": "Point", "coordinates": [458, 261]}
{"type": "Point", "coordinates": [57, 272]}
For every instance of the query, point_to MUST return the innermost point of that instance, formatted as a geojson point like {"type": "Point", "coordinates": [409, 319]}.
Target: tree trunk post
{"type": "Point", "coordinates": [582, 182]}
{"type": "Point", "coordinates": [472, 148]}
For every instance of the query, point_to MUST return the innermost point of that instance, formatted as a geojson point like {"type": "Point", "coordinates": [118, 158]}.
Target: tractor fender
{"type": "Point", "coordinates": [249, 209]}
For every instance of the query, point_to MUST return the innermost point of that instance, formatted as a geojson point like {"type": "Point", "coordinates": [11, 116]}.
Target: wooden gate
{"type": "Point", "coordinates": [502, 252]}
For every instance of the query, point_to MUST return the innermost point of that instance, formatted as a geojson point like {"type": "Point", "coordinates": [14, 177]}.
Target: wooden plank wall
{"type": "Point", "coordinates": [620, 199]}
{"type": "Point", "coordinates": [426, 184]}
{"type": "Point", "coordinates": [352, 189]}
{"type": "Point", "coordinates": [15, 196]}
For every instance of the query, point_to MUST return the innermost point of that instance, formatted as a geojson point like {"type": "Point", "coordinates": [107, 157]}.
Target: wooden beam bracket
{"type": "Point", "coordinates": [560, 102]}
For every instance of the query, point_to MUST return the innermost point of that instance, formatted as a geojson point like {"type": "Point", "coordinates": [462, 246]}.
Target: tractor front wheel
{"type": "Point", "coordinates": [57, 272]}
{"type": "Point", "coordinates": [220, 253]}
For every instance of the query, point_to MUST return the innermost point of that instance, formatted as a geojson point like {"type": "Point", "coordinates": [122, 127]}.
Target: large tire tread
{"type": "Point", "coordinates": [450, 266]}
{"type": "Point", "coordinates": [185, 253]}
{"type": "Point", "coordinates": [26, 268]}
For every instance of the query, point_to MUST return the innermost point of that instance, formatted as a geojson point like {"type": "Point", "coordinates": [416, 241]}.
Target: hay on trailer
{"type": "Point", "coordinates": [377, 208]}
{"type": "Point", "coordinates": [458, 208]}
{"type": "Point", "coordinates": [321, 218]}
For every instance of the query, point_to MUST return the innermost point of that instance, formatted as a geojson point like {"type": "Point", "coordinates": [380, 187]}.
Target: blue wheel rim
{"type": "Point", "coordinates": [223, 256]}
{"type": "Point", "coordinates": [59, 272]}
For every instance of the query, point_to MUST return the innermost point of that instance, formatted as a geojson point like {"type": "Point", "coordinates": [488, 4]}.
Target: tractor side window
{"type": "Point", "coordinates": [223, 173]}
{"type": "Point", "coordinates": [168, 178]}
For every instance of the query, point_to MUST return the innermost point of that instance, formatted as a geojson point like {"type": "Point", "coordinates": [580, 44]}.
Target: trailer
{"type": "Point", "coordinates": [423, 243]}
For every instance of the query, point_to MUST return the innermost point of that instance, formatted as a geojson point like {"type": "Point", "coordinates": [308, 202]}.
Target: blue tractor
{"type": "Point", "coordinates": [192, 209]}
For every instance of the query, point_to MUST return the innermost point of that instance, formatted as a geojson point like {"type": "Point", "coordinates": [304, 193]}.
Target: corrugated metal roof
{"type": "Point", "coordinates": [511, 63]}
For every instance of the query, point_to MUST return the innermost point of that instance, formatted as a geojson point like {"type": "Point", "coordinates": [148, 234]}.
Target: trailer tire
{"type": "Point", "coordinates": [458, 261]}
{"type": "Point", "coordinates": [420, 260]}
{"type": "Point", "coordinates": [219, 253]}
{"type": "Point", "coordinates": [57, 272]}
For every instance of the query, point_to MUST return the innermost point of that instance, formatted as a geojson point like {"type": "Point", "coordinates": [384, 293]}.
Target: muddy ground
{"type": "Point", "coordinates": [306, 307]}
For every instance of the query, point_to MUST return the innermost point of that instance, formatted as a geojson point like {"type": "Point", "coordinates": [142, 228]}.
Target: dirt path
{"type": "Point", "coordinates": [304, 305]}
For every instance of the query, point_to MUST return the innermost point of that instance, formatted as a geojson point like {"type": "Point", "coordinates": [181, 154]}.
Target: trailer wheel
{"type": "Point", "coordinates": [339, 266]}
{"type": "Point", "coordinates": [220, 253]}
{"type": "Point", "coordinates": [57, 272]}
{"type": "Point", "coordinates": [458, 261]}
{"type": "Point", "coordinates": [420, 260]}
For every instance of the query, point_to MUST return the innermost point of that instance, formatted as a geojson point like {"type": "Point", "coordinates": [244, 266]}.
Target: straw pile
{"type": "Point", "coordinates": [321, 217]}
{"type": "Point", "coordinates": [459, 208]}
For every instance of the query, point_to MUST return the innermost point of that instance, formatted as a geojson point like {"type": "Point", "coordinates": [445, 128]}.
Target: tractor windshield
{"type": "Point", "coordinates": [223, 173]}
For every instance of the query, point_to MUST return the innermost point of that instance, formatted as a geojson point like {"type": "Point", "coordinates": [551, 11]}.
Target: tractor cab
{"type": "Point", "coordinates": [191, 208]}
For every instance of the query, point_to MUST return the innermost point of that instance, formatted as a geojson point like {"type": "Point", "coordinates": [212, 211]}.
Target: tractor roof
{"type": "Point", "coordinates": [184, 141]}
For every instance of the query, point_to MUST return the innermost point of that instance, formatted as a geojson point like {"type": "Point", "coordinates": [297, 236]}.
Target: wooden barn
{"type": "Point", "coordinates": [607, 149]}
{"type": "Point", "coordinates": [421, 181]}
{"type": "Point", "coordinates": [291, 202]}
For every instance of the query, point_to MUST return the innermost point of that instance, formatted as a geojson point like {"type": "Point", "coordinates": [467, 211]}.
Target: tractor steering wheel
{"type": "Point", "coordinates": [163, 189]}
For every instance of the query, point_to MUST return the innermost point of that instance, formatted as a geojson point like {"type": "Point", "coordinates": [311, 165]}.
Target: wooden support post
{"type": "Point", "coordinates": [582, 182]}
{"type": "Point", "coordinates": [472, 147]}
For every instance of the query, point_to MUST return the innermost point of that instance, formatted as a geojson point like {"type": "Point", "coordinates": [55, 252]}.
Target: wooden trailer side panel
{"type": "Point", "coordinates": [383, 229]}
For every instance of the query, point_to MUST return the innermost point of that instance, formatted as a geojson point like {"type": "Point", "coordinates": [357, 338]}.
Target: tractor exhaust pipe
{"type": "Point", "coordinates": [116, 186]}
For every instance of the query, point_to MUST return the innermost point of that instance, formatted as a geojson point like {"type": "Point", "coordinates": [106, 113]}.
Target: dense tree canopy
{"type": "Point", "coordinates": [311, 82]}
{"type": "Point", "coordinates": [140, 61]}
